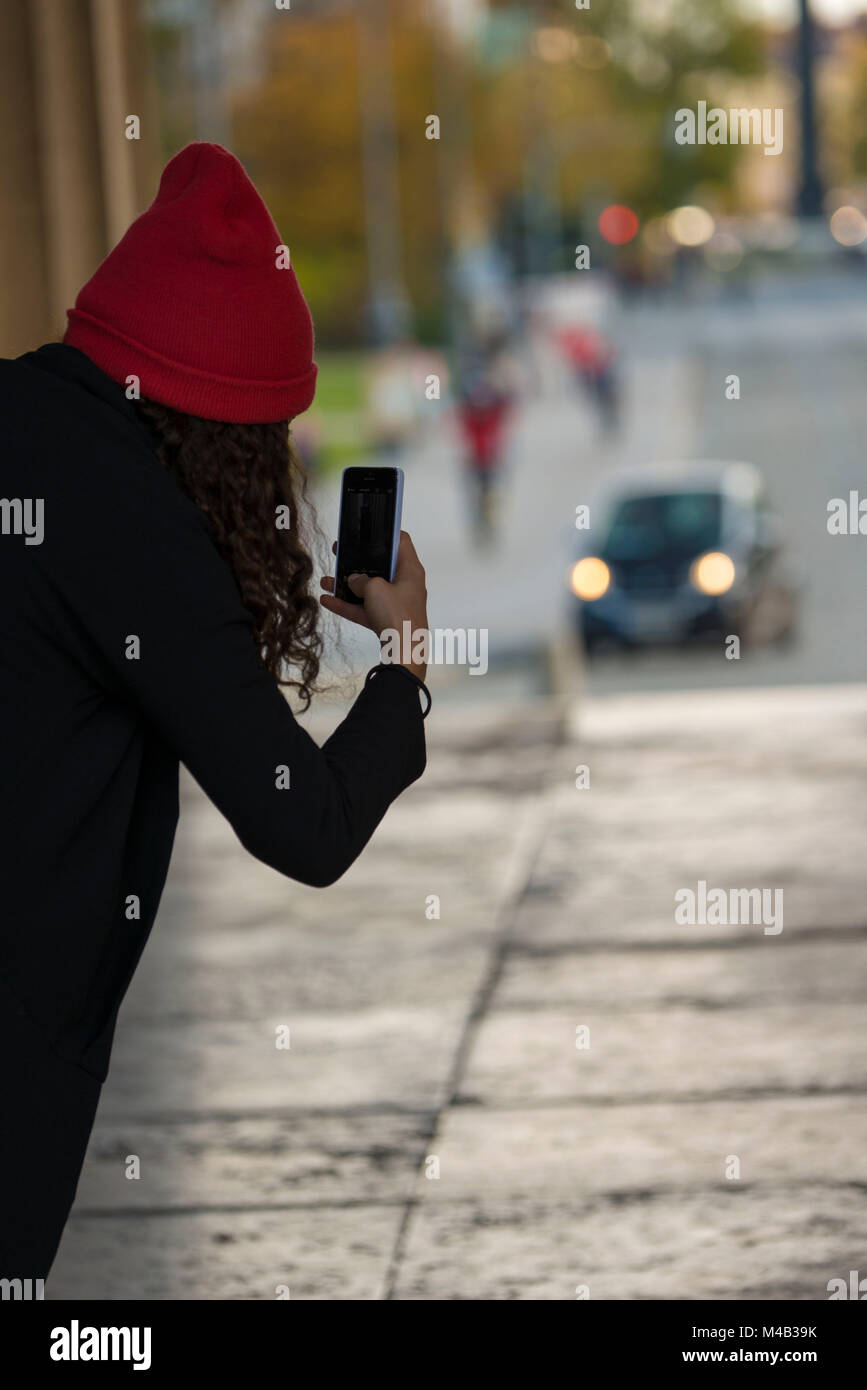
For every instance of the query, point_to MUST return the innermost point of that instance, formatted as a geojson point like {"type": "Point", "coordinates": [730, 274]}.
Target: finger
{"type": "Point", "coordinates": [327, 582]}
{"type": "Point", "coordinates": [406, 555]}
{"type": "Point", "coordinates": [358, 583]}
{"type": "Point", "coordinates": [353, 612]}
{"type": "Point", "coordinates": [374, 586]}
{"type": "Point", "coordinates": [334, 547]}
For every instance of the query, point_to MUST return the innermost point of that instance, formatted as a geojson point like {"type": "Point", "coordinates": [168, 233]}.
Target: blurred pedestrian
{"type": "Point", "coordinates": [484, 409]}
{"type": "Point", "coordinates": [394, 402]}
{"type": "Point", "coordinates": [592, 358]}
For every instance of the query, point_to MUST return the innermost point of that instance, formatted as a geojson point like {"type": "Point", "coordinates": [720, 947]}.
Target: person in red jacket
{"type": "Point", "coordinates": [592, 358]}
{"type": "Point", "coordinates": [483, 412]}
{"type": "Point", "coordinates": [156, 586]}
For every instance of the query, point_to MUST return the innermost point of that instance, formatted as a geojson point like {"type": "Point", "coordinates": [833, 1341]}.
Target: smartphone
{"type": "Point", "coordinates": [368, 529]}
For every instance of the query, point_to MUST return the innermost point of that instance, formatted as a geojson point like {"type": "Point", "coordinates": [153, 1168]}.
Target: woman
{"type": "Point", "coordinates": [155, 588]}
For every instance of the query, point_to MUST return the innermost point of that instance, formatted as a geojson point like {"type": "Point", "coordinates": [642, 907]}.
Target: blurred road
{"type": "Point", "coordinates": [801, 354]}
{"type": "Point", "coordinates": [800, 350]}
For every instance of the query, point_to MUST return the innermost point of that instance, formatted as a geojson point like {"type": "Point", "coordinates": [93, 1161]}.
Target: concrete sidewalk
{"type": "Point", "coordinates": [454, 1039]}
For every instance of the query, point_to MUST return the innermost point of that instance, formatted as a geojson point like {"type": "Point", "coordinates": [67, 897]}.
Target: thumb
{"type": "Point", "coordinates": [358, 583]}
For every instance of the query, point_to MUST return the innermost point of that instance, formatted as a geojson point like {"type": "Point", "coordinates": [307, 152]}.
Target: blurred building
{"type": "Point", "coordinates": [71, 73]}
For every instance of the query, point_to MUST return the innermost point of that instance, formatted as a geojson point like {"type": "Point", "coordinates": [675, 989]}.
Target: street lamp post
{"type": "Point", "coordinates": [388, 305]}
{"type": "Point", "coordinates": [810, 191]}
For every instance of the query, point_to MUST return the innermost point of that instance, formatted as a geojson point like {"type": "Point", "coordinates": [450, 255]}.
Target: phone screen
{"type": "Point", "coordinates": [367, 526]}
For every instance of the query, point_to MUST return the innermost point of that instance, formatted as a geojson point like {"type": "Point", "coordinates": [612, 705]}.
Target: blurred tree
{"type": "Point", "coordinates": [298, 131]}
{"type": "Point", "coordinates": [593, 93]}
{"type": "Point", "coordinates": [547, 112]}
{"type": "Point", "coordinates": [845, 121]}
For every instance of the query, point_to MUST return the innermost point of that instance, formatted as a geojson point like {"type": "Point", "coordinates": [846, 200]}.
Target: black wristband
{"type": "Point", "coordinates": [393, 666]}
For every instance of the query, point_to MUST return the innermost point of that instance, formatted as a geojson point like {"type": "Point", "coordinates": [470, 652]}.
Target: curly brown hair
{"type": "Point", "coordinates": [251, 484]}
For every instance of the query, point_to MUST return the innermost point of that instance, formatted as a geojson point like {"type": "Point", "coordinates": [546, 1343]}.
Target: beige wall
{"type": "Point", "coordinates": [70, 72]}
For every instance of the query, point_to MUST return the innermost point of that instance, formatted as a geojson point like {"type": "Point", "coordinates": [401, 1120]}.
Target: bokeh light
{"type": "Point", "coordinates": [554, 45]}
{"type": "Point", "coordinates": [690, 225]}
{"type": "Point", "coordinates": [848, 226]}
{"type": "Point", "coordinates": [590, 578]}
{"type": "Point", "coordinates": [657, 238]}
{"type": "Point", "coordinates": [618, 224]}
{"type": "Point", "coordinates": [713, 573]}
{"type": "Point", "coordinates": [724, 251]}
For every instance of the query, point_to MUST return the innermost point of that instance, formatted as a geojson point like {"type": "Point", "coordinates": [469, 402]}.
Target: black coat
{"type": "Point", "coordinates": [94, 726]}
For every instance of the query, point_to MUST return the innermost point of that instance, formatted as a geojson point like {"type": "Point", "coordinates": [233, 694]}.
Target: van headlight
{"type": "Point", "coordinates": [590, 578]}
{"type": "Point", "coordinates": [713, 573]}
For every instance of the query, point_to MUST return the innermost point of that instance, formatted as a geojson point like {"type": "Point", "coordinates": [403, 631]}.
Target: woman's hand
{"type": "Point", "coordinates": [387, 605]}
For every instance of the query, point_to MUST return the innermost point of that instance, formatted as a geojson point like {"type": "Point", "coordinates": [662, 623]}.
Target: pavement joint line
{"type": "Point", "coordinates": [635, 1099]}
{"type": "Point", "coordinates": [232, 1208]}
{"type": "Point", "coordinates": [271, 1112]}
{"type": "Point", "coordinates": [522, 862]}
{"type": "Point", "coordinates": [471, 1199]}
{"type": "Point", "coordinates": [467, 1101]}
{"type": "Point", "coordinates": [662, 1004]}
{"type": "Point", "coordinates": [605, 946]}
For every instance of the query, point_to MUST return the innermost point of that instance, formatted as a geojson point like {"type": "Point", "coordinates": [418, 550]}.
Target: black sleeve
{"type": "Point", "coordinates": [156, 576]}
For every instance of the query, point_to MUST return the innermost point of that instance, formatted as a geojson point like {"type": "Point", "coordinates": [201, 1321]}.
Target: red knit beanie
{"type": "Point", "coordinates": [194, 300]}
